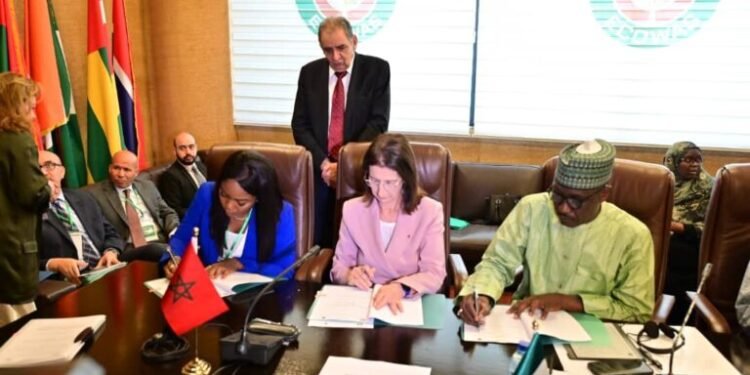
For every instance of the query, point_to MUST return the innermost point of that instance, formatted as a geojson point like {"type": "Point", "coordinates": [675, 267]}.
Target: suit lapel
{"type": "Point", "coordinates": [190, 183]}
{"type": "Point", "coordinates": [114, 200]}
{"type": "Point", "coordinates": [352, 98]}
{"type": "Point", "coordinates": [148, 201]}
{"type": "Point", "coordinates": [58, 226]}
{"type": "Point", "coordinates": [320, 98]}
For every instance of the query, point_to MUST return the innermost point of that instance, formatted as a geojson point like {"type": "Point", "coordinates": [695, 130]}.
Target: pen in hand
{"type": "Point", "coordinates": [476, 301]}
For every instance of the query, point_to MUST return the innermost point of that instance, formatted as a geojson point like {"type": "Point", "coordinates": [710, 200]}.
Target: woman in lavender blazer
{"type": "Point", "coordinates": [393, 234]}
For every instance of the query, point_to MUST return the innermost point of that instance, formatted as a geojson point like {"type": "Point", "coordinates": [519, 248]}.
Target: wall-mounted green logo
{"type": "Point", "coordinates": [366, 16]}
{"type": "Point", "coordinates": [652, 23]}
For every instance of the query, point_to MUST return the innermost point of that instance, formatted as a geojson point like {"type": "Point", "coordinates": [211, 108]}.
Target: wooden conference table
{"type": "Point", "coordinates": [134, 315]}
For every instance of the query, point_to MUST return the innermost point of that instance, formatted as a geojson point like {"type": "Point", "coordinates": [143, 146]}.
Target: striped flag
{"type": "Point", "coordinates": [67, 138]}
{"type": "Point", "coordinates": [127, 95]}
{"type": "Point", "coordinates": [104, 127]}
{"type": "Point", "coordinates": [11, 57]}
{"type": "Point", "coordinates": [40, 55]}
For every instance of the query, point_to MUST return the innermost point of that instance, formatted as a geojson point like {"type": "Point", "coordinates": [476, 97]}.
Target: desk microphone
{"type": "Point", "coordinates": [678, 336]}
{"type": "Point", "coordinates": [258, 348]}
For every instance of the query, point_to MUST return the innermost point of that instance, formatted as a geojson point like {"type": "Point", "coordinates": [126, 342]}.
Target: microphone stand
{"type": "Point", "coordinates": [236, 346]}
{"type": "Point", "coordinates": [676, 339]}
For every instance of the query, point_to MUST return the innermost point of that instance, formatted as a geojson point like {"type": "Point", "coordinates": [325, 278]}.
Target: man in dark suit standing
{"type": "Point", "coordinates": [181, 180]}
{"type": "Point", "coordinates": [135, 208]}
{"type": "Point", "coordinates": [344, 97]}
{"type": "Point", "coordinates": [75, 234]}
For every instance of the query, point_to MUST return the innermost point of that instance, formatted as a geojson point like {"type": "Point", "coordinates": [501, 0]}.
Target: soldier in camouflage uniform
{"type": "Point", "coordinates": [691, 195]}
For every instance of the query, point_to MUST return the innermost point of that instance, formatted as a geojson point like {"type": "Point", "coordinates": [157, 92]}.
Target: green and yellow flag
{"type": "Point", "coordinates": [104, 125]}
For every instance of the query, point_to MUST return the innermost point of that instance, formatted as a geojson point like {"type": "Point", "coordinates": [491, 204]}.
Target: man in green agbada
{"type": "Point", "coordinates": [578, 252]}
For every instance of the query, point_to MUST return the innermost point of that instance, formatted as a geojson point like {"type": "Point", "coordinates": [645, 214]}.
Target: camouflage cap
{"type": "Point", "coordinates": [586, 165]}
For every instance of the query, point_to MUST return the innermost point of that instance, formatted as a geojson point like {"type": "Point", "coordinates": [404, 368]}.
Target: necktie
{"type": "Point", "coordinates": [336, 128]}
{"type": "Point", "coordinates": [90, 255]}
{"type": "Point", "coordinates": [134, 221]}
{"type": "Point", "coordinates": [198, 175]}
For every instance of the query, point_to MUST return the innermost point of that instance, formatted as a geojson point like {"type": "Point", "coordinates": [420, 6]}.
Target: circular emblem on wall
{"type": "Point", "coordinates": [366, 16]}
{"type": "Point", "coordinates": [652, 23]}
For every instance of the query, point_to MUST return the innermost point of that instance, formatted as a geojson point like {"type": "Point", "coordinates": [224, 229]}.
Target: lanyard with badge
{"type": "Point", "coordinates": [75, 234]}
{"type": "Point", "coordinates": [228, 251]}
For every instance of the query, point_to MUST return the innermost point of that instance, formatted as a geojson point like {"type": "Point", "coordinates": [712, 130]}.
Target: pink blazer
{"type": "Point", "coordinates": [415, 255]}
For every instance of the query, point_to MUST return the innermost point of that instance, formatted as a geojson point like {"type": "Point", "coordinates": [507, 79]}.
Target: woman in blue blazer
{"type": "Point", "coordinates": [244, 223]}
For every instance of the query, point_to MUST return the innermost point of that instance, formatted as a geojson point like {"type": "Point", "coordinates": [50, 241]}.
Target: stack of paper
{"type": "Point", "coordinates": [350, 307]}
{"type": "Point", "coordinates": [94, 274]}
{"type": "Point", "coordinates": [504, 328]}
{"type": "Point", "coordinates": [235, 282]}
{"type": "Point", "coordinates": [47, 341]}
{"type": "Point", "coordinates": [351, 366]}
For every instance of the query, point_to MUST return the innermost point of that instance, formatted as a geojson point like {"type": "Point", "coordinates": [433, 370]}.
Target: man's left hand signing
{"type": "Point", "coordinates": [547, 303]}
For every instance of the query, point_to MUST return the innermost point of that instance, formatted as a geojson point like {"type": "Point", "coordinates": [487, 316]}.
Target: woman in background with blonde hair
{"type": "Point", "coordinates": [24, 196]}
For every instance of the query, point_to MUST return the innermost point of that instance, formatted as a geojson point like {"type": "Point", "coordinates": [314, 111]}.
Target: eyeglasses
{"type": "Point", "coordinates": [385, 184]}
{"type": "Point", "coordinates": [573, 202]}
{"type": "Point", "coordinates": [689, 160]}
{"type": "Point", "coordinates": [48, 166]}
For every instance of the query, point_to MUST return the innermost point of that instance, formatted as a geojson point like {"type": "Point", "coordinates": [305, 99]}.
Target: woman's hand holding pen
{"type": "Point", "coordinates": [361, 276]}
{"type": "Point", "coordinates": [473, 311]}
{"type": "Point", "coordinates": [171, 266]}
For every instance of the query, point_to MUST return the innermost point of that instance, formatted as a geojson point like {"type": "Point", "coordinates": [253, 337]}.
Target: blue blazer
{"type": "Point", "coordinates": [199, 215]}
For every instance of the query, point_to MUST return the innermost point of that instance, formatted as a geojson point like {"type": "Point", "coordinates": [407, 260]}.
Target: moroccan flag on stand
{"type": "Point", "coordinates": [67, 138]}
{"type": "Point", "coordinates": [127, 94]}
{"type": "Point", "coordinates": [103, 112]}
{"type": "Point", "coordinates": [191, 298]}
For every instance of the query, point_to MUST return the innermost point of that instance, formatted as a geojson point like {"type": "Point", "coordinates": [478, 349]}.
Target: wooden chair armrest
{"type": "Point", "coordinates": [663, 307]}
{"type": "Point", "coordinates": [716, 321]}
{"type": "Point", "coordinates": [460, 274]}
{"type": "Point", "coordinates": [314, 269]}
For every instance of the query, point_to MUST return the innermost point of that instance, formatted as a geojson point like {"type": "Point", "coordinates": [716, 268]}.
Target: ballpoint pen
{"type": "Point", "coordinates": [650, 358]}
{"type": "Point", "coordinates": [476, 301]}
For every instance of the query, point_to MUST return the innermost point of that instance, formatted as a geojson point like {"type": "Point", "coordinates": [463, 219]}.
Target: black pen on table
{"type": "Point", "coordinates": [650, 358]}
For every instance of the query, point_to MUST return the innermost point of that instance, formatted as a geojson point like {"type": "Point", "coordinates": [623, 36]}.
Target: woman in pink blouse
{"type": "Point", "coordinates": [393, 234]}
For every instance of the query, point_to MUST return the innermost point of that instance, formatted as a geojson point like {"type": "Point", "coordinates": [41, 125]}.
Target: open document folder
{"type": "Point", "coordinates": [49, 341]}
{"type": "Point", "coordinates": [235, 282]}
{"type": "Point", "coordinates": [349, 307]}
{"type": "Point", "coordinates": [504, 328]}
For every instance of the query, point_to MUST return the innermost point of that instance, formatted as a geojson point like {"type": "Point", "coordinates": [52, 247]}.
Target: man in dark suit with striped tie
{"type": "Point", "coordinates": [343, 97]}
{"type": "Point", "coordinates": [181, 180]}
{"type": "Point", "coordinates": [75, 233]}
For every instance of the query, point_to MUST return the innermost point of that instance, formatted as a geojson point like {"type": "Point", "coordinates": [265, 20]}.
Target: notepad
{"type": "Point", "coordinates": [94, 274]}
{"type": "Point", "coordinates": [501, 327]}
{"type": "Point", "coordinates": [235, 282]}
{"type": "Point", "coordinates": [47, 341]}
{"type": "Point", "coordinates": [349, 307]}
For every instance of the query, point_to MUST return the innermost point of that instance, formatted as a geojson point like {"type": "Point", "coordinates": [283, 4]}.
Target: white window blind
{"type": "Point", "coordinates": [428, 44]}
{"type": "Point", "coordinates": [563, 70]}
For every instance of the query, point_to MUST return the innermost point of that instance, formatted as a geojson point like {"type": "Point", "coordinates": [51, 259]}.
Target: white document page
{"type": "Point", "coordinates": [504, 328]}
{"type": "Point", "coordinates": [223, 286]}
{"type": "Point", "coordinates": [411, 315]}
{"type": "Point", "coordinates": [353, 366]}
{"type": "Point", "coordinates": [339, 303]}
{"type": "Point", "coordinates": [47, 341]}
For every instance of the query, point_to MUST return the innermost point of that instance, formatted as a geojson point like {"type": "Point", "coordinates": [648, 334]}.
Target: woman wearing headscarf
{"type": "Point", "coordinates": [691, 195]}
